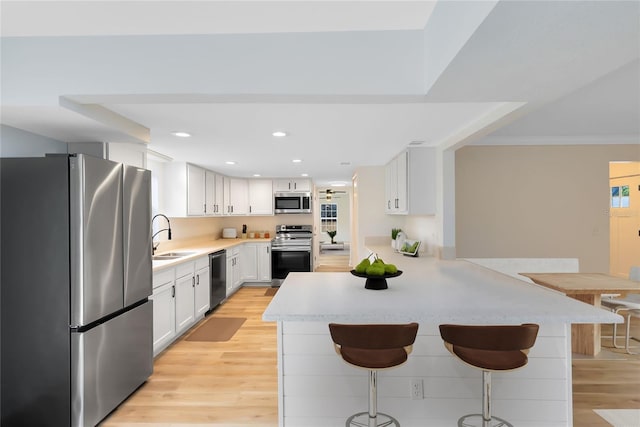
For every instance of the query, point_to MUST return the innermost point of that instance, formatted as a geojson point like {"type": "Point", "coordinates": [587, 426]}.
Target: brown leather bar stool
{"type": "Point", "coordinates": [373, 347]}
{"type": "Point", "coordinates": [490, 348]}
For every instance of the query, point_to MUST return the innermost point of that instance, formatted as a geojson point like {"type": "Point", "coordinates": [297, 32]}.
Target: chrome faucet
{"type": "Point", "coordinates": [168, 230]}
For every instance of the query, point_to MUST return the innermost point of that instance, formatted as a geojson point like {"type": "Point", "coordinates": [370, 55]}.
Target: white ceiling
{"type": "Point", "coordinates": [409, 71]}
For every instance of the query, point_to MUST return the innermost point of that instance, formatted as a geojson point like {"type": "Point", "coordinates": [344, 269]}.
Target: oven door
{"type": "Point", "coordinates": [288, 259]}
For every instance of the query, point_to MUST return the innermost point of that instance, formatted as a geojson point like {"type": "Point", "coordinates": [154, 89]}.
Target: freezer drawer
{"type": "Point", "coordinates": [109, 362]}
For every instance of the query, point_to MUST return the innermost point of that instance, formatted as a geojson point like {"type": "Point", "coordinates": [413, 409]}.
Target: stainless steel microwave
{"type": "Point", "coordinates": [292, 203]}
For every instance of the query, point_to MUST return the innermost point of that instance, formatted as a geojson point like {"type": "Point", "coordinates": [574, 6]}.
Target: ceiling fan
{"type": "Point", "coordinates": [329, 193]}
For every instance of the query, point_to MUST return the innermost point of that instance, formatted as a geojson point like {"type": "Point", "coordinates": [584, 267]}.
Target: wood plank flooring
{"type": "Point", "coordinates": [234, 383]}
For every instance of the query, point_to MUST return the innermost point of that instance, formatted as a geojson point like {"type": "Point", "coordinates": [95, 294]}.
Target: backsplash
{"type": "Point", "coordinates": [187, 231]}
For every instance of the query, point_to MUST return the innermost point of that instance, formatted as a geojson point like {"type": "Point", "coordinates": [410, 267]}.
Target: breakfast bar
{"type": "Point", "coordinates": [317, 389]}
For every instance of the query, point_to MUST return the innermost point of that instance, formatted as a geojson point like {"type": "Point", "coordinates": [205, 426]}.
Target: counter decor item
{"type": "Point", "coordinates": [410, 247]}
{"type": "Point", "coordinates": [229, 233]}
{"type": "Point", "coordinates": [394, 235]}
{"type": "Point", "coordinates": [244, 231]}
{"type": "Point", "coordinates": [376, 272]}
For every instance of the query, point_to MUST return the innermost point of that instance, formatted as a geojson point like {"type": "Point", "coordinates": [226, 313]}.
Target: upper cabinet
{"type": "Point", "coordinates": [260, 197]}
{"type": "Point", "coordinates": [410, 183]}
{"type": "Point", "coordinates": [196, 188]}
{"type": "Point", "coordinates": [190, 190]}
{"type": "Point", "coordinates": [292, 184]}
{"type": "Point", "coordinates": [214, 194]}
{"type": "Point", "coordinates": [236, 196]}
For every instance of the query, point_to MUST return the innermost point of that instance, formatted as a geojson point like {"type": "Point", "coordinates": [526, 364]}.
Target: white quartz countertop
{"type": "Point", "coordinates": [429, 291]}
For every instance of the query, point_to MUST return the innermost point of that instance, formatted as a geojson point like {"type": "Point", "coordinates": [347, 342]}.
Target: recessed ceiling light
{"type": "Point", "coordinates": [338, 184]}
{"type": "Point", "coordinates": [230, 162]}
{"type": "Point", "coordinates": [304, 174]}
{"type": "Point", "coordinates": [181, 134]}
{"type": "Point", "coordinates": [414, 143]}
{"type": "Point", "coordinates": [256, 175]}
{"type": "Point", "coordinates": [296, 161]}
{"type": "Point", "coordinates": [345, 163]}
{"type": "Point", "coordinates": [279, 133]}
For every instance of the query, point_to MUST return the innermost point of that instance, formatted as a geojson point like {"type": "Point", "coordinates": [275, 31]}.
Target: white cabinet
{"type": "Point", "coordinates": [180, 298]}
{"type": "Point", "coordinates": [184, 302]}
{"type": "Point", "coordinates": [410, 183]}
{"type": "Point", "coordinates": [218, 197]}
{"type": "Point", "coordinates": [214, 194]}
{"type": "Point", "coordinates": [202, 289]}
{"type": "Point", "coordinates": [236, 196]}
{"type": "Point", "coordinates": [196, 185]}
{"type": "Point", "coordinates": [164, 313]}
{"type": "Point", "coordinates": [190, 190]}
{"type": "Point", "coordinates": [260, 197]}
{"type": "Point", "coordinates": [292, 184]}
{"type": "Point", "coordinates": [396, 184]}
{"type": "Point", "coordinates": [264, 262]}
{"type": "Point", "coordinates": [234, 272]}
{"type": "Point", "coordinates": [256, 262]}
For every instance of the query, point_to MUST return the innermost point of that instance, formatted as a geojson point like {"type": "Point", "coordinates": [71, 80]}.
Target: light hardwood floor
{"type": "Point", "coordinates": [234, 383]}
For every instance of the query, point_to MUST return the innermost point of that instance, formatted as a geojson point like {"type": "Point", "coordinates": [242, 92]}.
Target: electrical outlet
{"type": "Point", "coordinates": [417, 391]}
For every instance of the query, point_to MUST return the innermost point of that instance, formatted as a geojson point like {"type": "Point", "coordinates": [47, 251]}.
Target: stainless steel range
{"type": "Point", "coordinates": [291, 250]}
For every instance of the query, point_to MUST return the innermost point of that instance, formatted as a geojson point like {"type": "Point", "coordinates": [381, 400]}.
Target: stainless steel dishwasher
{"type": "Point", "coordinates": [218, 272]}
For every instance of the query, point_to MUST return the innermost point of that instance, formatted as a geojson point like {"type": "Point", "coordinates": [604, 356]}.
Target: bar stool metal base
{"type": "Point", "coordinates": [361, 419]}
{"type": "Point", "coordinates": [478, 421]}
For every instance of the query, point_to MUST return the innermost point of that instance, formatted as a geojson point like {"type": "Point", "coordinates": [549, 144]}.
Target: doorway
{"type": "Point", "coordinates": [334, 226]}
{"type": "Point", "coordinates": [624, 217]}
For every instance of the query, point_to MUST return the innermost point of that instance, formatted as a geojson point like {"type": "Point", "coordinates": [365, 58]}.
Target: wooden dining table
{"type": "Point", "coordinates": [588, 288]}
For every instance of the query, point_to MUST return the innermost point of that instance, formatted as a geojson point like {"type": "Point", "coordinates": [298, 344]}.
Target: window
{"type": "Point", "coordinates": [328, 217]}
{"type": "Point", "coordinates": [620, 197]}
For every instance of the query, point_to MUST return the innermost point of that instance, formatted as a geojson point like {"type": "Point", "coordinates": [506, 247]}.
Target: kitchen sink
{"type": "Point", "coordinates": [165, 257]}
{"type": "Point", "coordinates": [172, 255]}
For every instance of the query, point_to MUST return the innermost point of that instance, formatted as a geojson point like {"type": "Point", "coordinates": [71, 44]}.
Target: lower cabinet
{"type": "Point", "coordinates": [202, 294]}
{"type": "Point", "coordinates": [256, 262]}
{"type": "Point", "coordinates": [180, 298]}
{"type": "Point", "coordinates": [234, 272]}
{"type": "Point", "coordinates": [185, 297]}
{"type": "Point", "coordinates": [164, 316]}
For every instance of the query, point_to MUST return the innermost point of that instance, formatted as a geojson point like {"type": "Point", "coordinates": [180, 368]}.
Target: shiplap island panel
{"type": "Point", "coordinates": [316, 388]}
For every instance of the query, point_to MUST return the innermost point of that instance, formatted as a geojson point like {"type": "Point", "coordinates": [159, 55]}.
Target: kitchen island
{"type": "Point", "coordinates": [317, 389]}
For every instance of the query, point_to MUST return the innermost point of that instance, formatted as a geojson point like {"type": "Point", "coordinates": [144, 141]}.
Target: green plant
{"type": "Point", "coordinates": [394, 232]}
{"type": "Point", "coordinates": [332, 234]}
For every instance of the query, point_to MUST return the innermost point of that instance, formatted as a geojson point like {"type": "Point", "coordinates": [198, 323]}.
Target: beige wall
{"type": "Point", "coordinates": [536, 201]}
{"type": "Point", "coordinates": [371, 219]}
{"type": "Point", "coordinates": [190, 230]}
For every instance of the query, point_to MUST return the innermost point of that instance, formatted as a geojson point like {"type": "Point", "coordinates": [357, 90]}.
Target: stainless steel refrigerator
{"type": "Point", "coordinates": [76, 275]}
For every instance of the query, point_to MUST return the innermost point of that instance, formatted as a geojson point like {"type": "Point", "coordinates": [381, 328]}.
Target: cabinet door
{"type": "Point", "coordinates": [202, 292]}
{"type": "Point", "coordinates": [195, 190]}
{"type": "Point", "coordinates": [264, 262]}
{"type": "Point", "coordinates": [260, 197]}
{"type": "Point", "coordinates": [301, 185]}
{"type": "Point", "coordinates": [292, 185]}
{"type": "Point", "coordinates": [282, 185]}
{"type": "Point", "coordinates": [230, 264]}
{"type": "Point", "coordinates": [237, 272]}
{"type": "Point", "coordinates": [390, 172]}
{"type": "Point", "coordinates": [236, 196]}
{"type": "Point", "coordinates": [218, 206]}
{"type": "Point", "coordinates": [164, 316]}
{"type": "Point", "coordinates": [239, 189]}
{"type": "Point", "coordinates": [249, 262]}
{"type": "Point", "coordinates": [185, 290]}
{"type": "Point", "coordinates": [401, 180]}
{"type": "Point", "coordinates": [210, 193]}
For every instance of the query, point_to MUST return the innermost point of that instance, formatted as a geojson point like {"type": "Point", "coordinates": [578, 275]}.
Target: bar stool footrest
{"type": "Point", "coordinates": [361, 419]}
{"type": "Point", "coordinates": [476, 421]}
